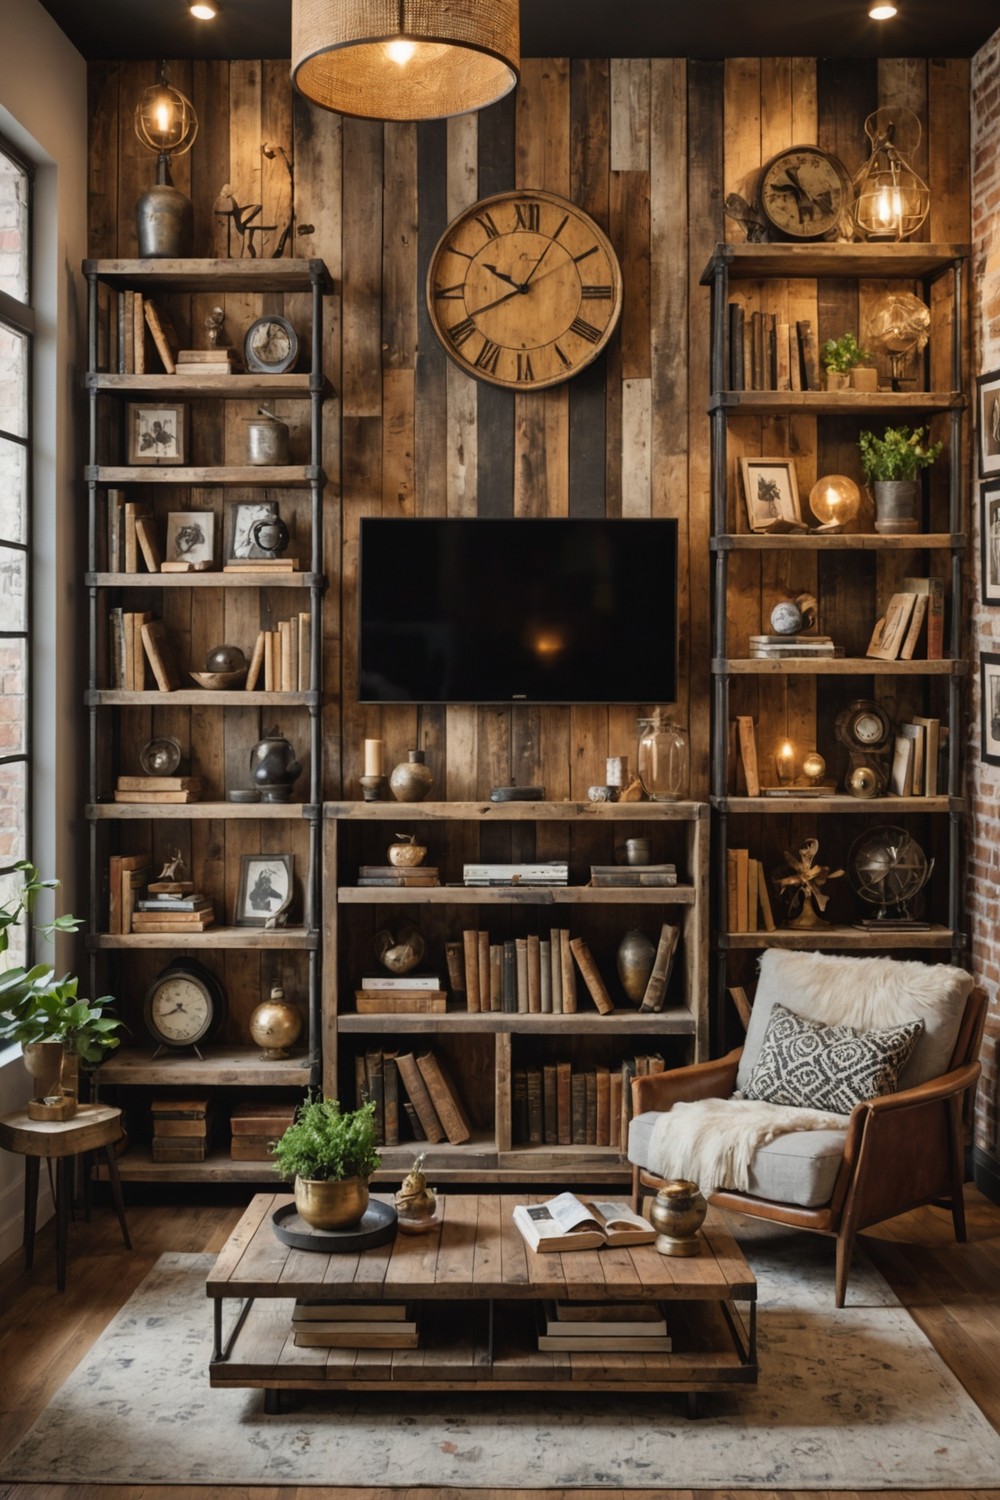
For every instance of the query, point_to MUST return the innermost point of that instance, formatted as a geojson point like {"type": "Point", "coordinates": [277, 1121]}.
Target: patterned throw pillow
{"type": "Point", "coordinates": [812, 1066]}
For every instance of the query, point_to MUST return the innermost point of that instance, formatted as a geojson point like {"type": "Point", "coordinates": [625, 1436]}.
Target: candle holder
{"type": "Point", "coordinates": [373, 788]}
{"type": "Point", "coordinates": [785, 763]}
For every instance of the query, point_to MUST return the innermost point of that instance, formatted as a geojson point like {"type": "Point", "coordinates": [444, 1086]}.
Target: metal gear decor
{"type": "Point", "coordinates": [887, 869]}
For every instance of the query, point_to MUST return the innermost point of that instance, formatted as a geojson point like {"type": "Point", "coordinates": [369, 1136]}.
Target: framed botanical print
{"type": "Point", "coordinates": [988, 423]}
{"type": "Point", "coordinates": [989, 697]}
{"type": "Point", "coordinates": [157, 432]}
{"type": "Point", "coordinates": [191, 537]}
{"type": "Point", "coordinates": [989, 541]}
{"type": "Point", "coordinates": [772, 494]}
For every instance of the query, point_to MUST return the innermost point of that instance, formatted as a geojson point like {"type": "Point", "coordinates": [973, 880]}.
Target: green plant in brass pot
{"type": "Point", "coordinates": [330, 1155]}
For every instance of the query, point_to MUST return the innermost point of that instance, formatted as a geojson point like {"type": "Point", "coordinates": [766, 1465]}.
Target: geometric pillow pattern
{"type": "Point", "coordinates": [811, 1066]}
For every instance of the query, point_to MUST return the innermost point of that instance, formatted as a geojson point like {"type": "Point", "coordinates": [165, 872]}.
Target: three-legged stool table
{"type": "Point", "coordinates": [94, 1127]}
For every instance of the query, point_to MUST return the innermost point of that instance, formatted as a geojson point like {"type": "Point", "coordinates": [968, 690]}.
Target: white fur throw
{"type": "Point", "coordinates": [712, 1141]}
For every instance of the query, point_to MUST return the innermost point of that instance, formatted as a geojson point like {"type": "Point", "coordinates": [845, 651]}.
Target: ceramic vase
{"type": "Point", "coordinates": [636, 953]}
{"type": "Point", "coordinates": [411, 780]}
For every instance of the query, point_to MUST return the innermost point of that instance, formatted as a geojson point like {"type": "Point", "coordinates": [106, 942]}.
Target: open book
{"type": "Point", "coordinates": [567, 1223]}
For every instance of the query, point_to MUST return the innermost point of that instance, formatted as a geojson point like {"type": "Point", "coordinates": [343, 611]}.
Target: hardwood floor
{"type": "Point", "coordinates": [952, 1291]}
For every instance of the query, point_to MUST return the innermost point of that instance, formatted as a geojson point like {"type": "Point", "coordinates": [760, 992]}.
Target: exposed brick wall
{"type": "Point", "coordinates": [983, 890]}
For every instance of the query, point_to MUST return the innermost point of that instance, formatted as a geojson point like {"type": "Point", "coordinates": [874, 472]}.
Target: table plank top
{"type": "Point", "coordinates": [93, 1125]}
{"type": "Point", "coordinates": [474, 1251]}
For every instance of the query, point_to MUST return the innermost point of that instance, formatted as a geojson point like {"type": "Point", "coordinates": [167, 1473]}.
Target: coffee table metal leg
{"type": "Point", "coordinates": [272, 1401]}
{"type": "Point", "coordinates": [31, 1172]}
{"type": "Point", "coordinates": [221, 1351]}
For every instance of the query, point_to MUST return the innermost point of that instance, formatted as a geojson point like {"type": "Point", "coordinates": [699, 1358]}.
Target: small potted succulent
{"type": "Point", "coordinates": [891, 464]}
{"type": "Point", "coordinates": [329, 1155]}
{"type": "Point", "coordinates": [843, 360]}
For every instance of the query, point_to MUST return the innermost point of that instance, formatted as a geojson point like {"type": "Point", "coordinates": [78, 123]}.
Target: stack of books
{"type": "Point", "coordinates": [768, 355]}
{"type": "Point", "coordinates": [395, 875]}
{"type": "Point", "coordinates": [158, 789]}
{"type": "Point", "coordinates": [197, 362]}
{"type": "Point", "coordinates": [555, 1104]}
{"type": "Point", "coordinates": [254, 1127]}
{"type": "Point", "coordinates": [281, 659]}
{"type": "Point", "coordinates": [180, 1129]}
{"type": "Point", "coordinates": [788, 647]}
{"type": "Point", "coordinates": [172, 911]}
{"type": "Point", "coordinates": [916, 770]}
{"type": "Point", "coordinates": [533, 974]}
{"type": "Point", "coordinates": [425, 1092]}
{"type": "Point", "coordinates": [625, 875]}
{"type": "Point", "coordinates": [383, 994]}
{"type": "Point", "coordinates": [748, 898]}
{"type": "Point", "coordinates": [354, 1325]}
{"type": "Point", "coordinates": [127, 877]}
{"type": "Point", "coordinates": [544, 872]}
{"type": "Point", "coordinates": [603, 1327]}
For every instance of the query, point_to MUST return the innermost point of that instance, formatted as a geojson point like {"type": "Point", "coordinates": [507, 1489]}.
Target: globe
{"type": "Point", "coordinates": [887, 868]}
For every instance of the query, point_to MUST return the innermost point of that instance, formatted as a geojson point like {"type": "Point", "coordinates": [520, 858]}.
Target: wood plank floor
{"type": "Point", "coordinates": [953, 1292]}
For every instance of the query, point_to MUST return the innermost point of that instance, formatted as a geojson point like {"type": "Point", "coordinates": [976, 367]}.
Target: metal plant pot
{"type": "Point", "coordinates": [896, 506]}
{"type": "Point", "coordinates": [331, 1205]}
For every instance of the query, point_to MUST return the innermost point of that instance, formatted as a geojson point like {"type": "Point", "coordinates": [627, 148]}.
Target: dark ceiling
{"type": "Point", "coordinates": [565, 28]}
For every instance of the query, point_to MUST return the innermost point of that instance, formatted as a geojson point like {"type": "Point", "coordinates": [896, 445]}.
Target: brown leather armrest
{"type": "Point", "coordinates": [707, 1080]}
{"type": "Point", "coordinates": [955, 1082]}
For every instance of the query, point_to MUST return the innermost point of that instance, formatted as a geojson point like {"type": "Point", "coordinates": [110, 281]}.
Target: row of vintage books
{"type": "Point", "coordinates": [414, 1088]}
{"type": "Point", "coordinates": [748, 899]}
{"type": "Point", "coordinates": [555, 1104]}
{"type": "Point", "coordinates": [135, 336]}
{"type": "Point", "coordinates": [768, 355]}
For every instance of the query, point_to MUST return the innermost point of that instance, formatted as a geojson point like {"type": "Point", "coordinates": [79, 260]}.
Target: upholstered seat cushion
{"type": "Point", "coordinates": [798, 1168]}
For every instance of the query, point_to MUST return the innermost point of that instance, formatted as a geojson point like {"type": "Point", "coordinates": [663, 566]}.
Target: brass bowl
{"type": "Point", "coordinates": [216, 680]}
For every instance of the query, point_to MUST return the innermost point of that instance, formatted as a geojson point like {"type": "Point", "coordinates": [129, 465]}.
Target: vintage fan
{"type": "Point", "coordinates": [887, 868]}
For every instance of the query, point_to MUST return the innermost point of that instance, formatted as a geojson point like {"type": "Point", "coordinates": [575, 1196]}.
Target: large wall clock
{"type": "Point", "coordinates": [524, 290]}
{"type": "Point", "coordinates": [804, 193]}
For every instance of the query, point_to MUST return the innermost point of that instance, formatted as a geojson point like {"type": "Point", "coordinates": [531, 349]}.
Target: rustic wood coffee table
{"type": "Point", "coordinates": [477, 1282]}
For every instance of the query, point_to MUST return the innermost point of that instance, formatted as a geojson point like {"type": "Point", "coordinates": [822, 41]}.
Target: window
{"type": "Point", "coordinates": [16, 332]}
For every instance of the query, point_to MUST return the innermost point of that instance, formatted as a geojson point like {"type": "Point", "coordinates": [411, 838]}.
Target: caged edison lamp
{"type": "Point", "coordinates": [165, 122]}
{"type": "Point", "coordinates": [891, 200]}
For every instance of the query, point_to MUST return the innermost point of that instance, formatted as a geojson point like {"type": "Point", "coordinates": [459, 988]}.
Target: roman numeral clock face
{"type": "Point", "coordinates": [524, 290]}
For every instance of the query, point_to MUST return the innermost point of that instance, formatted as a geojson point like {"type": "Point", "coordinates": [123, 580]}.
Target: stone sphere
{"type": "Point", "coordinates": [786, 618]}
{"type": "Point", "coordinates": [225, 659]}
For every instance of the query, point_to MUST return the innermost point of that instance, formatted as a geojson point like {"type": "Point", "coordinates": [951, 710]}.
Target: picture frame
{"type": "Point", "coordinates": [771, 491]}
{"type": "Point", "coordinates": [265, 889]}
{"type": "Point", "coordinates": [191, 538]}
{"type": "Point", "coordinates": [243, 516]}
{"type": "Point", "coordinates": [989, 707]}
{"type": "Point", "coordinates": [156, 432]}
{"type": "Point", "coordinates": [988, 422]}
{"type": "Point", "coordinates": [989, 542]}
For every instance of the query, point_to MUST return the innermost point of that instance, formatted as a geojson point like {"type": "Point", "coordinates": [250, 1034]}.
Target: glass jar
{"type": "Point", "coordinates": [663, 758]}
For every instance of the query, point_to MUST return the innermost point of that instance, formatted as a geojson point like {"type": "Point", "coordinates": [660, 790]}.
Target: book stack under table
{"type": "Point", "coordinates": [602, 1327]}
{"type": "Point", "coordinates": [180, 1129]}
{"type": "Point", "coordinates": [354, 1325]}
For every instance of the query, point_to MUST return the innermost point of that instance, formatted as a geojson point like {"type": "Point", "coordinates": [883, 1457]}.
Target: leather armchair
{"type": "Point", "coordinates": [901, 1150]}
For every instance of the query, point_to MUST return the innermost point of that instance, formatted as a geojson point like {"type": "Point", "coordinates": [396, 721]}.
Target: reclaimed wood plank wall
{"type": "Point", "coordinates": [651, 148]}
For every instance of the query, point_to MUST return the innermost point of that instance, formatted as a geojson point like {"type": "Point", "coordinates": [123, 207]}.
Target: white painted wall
{"type": "Point", "coordinates": [43, 112]}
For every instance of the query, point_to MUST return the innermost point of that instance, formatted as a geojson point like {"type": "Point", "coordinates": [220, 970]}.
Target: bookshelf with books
{"type": "Point", "coordinates": [177, 567]}
{"type": "Point", "coordinates": [888, 605]}
{"type": "Point", "coordinates": [514, 1008]}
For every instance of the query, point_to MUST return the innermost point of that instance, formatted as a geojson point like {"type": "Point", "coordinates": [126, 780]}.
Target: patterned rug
{"type": "Point", "coordinates": [855, 1399]}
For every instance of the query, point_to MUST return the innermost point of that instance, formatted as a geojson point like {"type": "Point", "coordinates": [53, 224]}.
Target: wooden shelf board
{"type": "Point", "coordinates": [836, 541]}
{"type": "Point", "coordinates": [235, 387]}
{"type": "Point", "coordinates": [295, 274]}
{"type": "Point", "coordinates": [135, 1165]}
{"type": "Point", "coordinates": [841, 938]}
{"type": "Point", "coordinates": [124, 812]}
{"type": "Point", "coordinates": [217, 580]}
{"type": "Point", "coordinates": [232, 1065]}
{"type": "Point", "coordinates": [212, 937]}
{"type": "Point", "coordinates": [288, 476]}
{"type": "Point", "coordinates": [515, 895]}
{"type": "Point", "coordinates": [529, 812]}
{"type": "Point", "coordinates": [835, 666]}
{"type": "Point", "coordinates": [833, 403]}
{"type": "Point", "coordinates": [197, 698]}
{"type": "Point", "coordinates": [839, 803]}
{"type": "Point", "coordinates": [673, 1022]}
{"type": "Point", "coordinates": [749, 262]}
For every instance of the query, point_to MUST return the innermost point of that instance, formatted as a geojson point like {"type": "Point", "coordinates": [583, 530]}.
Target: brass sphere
{"type": "Point", "coordinates": [275, 1026]}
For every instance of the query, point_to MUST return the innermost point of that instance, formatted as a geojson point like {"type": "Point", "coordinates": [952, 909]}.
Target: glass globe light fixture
{"type": "Point", "coordinates": [165, 122]}
{"type": "Point", "coordinates": [834, 500]}
{"type": "Point", "coordinates": [891, 200]}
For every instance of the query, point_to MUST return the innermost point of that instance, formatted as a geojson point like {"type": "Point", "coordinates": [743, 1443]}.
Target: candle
{"type": "Point", "coordinates": [373, 757]}
{"type": "Point", "coordinates": [784, 761]}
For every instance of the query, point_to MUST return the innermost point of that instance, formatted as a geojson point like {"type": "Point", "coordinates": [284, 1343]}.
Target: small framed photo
{"type": "Point", "coordinates": [772, 494]}
{"type": "Point", "coordinates": [989, 697]}
{"type": "Point", "coordinates": [191, 537]}
{"type": "Point", "coordinates": [265, 892]}
{"type": "Point", "coordinates": [988, 422]}
{"type": "Point", "coordinates": [157, 433]}
{"type": "Point", "coordinates": [989, 541]}
{"type": "Point", "coordinates": [244, 518]}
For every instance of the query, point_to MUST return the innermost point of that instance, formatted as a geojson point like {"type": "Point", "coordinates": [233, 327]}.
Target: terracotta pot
{"type": "Point", "coordinates": [331, 1205]}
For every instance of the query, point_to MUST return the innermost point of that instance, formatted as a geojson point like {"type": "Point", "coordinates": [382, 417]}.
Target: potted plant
{"type": "Point", "coordinates": [330, 1155]}
{"type": "Point", "coordinates": [842, 359]}
{"type": "Point", "coordinates": [55, 1026]}
{"type": "Point", "coordinates": [891, 464]}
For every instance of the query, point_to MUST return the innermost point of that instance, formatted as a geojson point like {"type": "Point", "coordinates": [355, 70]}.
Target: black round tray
{"type": "Point", "coordinates": [377, 1227]}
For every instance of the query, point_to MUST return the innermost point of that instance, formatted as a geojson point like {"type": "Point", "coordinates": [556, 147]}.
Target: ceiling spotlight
{"type": "Point", "coordinates": [882, 10]}
{"type": "Point", "coordinates": [204, 10]}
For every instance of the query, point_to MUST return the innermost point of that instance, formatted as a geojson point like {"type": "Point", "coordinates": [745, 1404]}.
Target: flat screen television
{"type": "Point", "coordinates": [570, 610]}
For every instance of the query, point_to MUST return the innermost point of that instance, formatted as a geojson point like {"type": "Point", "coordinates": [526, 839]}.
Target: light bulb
{"type": "Point", "coordinates": [881, 10]}
{"type": "Point", "coordinates": [785, 763]}
{"type": "Point", "coordinates": [203, 11]}
{"type": "Point", "coordinates": [163, 117]}
{"type": "Point", "coordinates": [401, 50]}
{"type": "Point", "coordinates": [834, 500]}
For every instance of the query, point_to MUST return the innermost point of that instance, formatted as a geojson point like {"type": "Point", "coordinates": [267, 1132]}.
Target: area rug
{"type": "Point", "coordinates": [848, 1400]}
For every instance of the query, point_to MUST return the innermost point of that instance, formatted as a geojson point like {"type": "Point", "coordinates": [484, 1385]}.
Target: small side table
{"type": "Point", "coordinates": [94, 1127]}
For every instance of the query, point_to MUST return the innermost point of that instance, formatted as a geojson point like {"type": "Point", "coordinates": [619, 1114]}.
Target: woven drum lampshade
{"type": "Point", "coordinates": [405, 59]}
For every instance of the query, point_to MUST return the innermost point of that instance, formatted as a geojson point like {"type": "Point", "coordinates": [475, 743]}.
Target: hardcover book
{"type": "Point", "coordinates": [568, 1223]}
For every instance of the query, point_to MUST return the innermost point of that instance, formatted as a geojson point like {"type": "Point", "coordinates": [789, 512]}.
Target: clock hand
{"type": "Point", "coordinates": [496, 302]}
{"type": "Point", "coordinates": [502, 276]}
{"type": "Point", "coordinates": [548, 247]}
{"type": "Point", "coordinates": [177, 1007]}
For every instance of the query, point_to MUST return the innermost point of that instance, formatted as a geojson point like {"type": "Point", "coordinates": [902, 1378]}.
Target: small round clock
{"type": "Point", "coordinates": [184, 1003]}
{"type": "Point", "coordinates": [864, 725]}
{"type": "Point", "coordinates": [524, 290]}
{"type": "Point", "coordinates": [271, 346]}
{"type": "Point", "coordinates": [803, 193]}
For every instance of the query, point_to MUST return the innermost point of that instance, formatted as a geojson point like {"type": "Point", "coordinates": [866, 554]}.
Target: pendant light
{"type": "Point", "coordinates": [166, 123]}
{"type": "Point", "coordinates": [405, 59]}
{"type": "Point", "coordinates": [891, 200]}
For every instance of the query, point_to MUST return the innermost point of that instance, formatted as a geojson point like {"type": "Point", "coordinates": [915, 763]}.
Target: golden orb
{"type": "Point", "coordinates": [275, 1026]}
{"type": "Point", "coordinates": [834, 500]}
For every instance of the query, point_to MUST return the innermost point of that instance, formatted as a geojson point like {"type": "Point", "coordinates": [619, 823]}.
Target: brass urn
{"type": "Point", "coordinates": [275, 1026]}
{"type": "Point", "coordinates": [331, 1204]}
{"type": "Point", "coordinates": [677, 1213]}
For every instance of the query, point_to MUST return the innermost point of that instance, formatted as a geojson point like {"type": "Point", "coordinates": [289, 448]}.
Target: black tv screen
{"type": "Point", "coordinates": [518, 611]}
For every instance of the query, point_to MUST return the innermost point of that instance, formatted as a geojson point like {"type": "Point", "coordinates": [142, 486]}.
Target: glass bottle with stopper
{"type": "Point", "coordinates": [662, 760]}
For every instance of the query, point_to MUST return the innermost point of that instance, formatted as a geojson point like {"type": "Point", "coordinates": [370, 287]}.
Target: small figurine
{"type": "Point", "coordinates": [174, 868]}
{"type": "Point", "coordinates": [416, 1203]}
{"type": "Point", "coordinates": [213, 327]}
